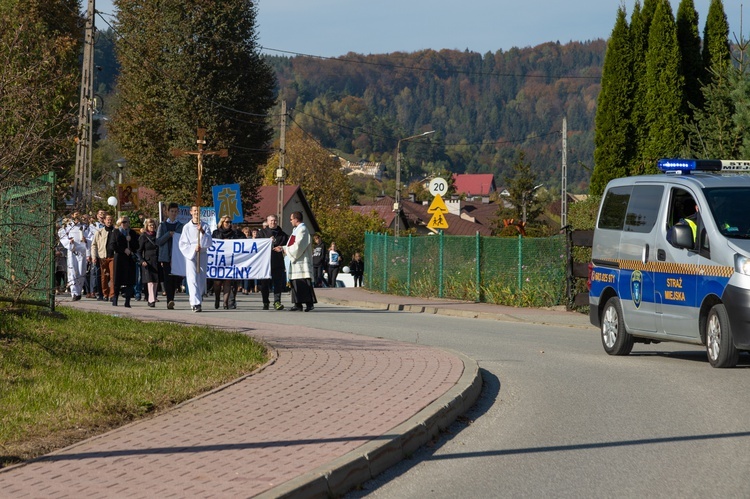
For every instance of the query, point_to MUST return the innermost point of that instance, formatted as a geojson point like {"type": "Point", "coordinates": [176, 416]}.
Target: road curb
{"type": "Point", "coordinates": [337, 477]}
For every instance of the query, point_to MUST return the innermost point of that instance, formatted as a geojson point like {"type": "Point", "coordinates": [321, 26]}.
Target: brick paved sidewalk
{"type": "Point", "coordinates": [330, 411]}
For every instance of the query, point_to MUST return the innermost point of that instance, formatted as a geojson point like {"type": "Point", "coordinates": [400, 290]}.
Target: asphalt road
{"type": "Point", "coordinates": [560, 418]}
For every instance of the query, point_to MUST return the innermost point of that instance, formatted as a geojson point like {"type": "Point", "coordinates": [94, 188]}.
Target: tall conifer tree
{"type": "Point", "coordinates": [716, 53]}
{"type": "Point", "coordinates": [689, 41]}
{"type": "Point", "coordinates": [640, 22]}
{"type": "Point", "coordinates": [189, 64]}
{"type": "Point", "coordinates": [614, 138]}
{"type": "Point", "coordinates": [664, 90]}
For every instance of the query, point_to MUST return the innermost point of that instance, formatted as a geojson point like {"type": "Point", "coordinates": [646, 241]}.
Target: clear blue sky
{"type": "Point", "coordinates": [334, 27]}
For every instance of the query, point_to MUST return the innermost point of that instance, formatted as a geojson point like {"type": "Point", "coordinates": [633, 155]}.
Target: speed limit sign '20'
{"type": "Point", "coordinates": [438, 186]}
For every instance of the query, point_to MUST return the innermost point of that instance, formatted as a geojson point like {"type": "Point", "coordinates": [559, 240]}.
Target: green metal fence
{"type": "Point", "coordinates": [27, 242]}
{"type": "Point", "coordinates": [509, 271]}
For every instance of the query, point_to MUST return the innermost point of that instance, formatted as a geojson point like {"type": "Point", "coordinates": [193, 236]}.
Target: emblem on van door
{"type": "Point", "coordinates": [636, 287]}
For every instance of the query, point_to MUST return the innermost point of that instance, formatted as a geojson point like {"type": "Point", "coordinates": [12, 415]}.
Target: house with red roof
{"type": "Point", "coordinates": [474, 185]}
{"type": "Point", "coordinates": [293, 200]}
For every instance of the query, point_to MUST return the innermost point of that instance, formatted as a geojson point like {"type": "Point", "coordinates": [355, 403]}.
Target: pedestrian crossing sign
{"type": "Point", "coordinates": [438, 221]}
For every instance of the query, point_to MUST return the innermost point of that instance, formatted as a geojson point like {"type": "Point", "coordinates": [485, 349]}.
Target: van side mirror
{"type": "Point", "coordinates": [682, 236]}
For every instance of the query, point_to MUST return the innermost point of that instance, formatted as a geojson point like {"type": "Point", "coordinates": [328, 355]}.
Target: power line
{"type": "Point", "coordinates": [424, 69]}
{"type": "Point", "coordinates": [162, 73]}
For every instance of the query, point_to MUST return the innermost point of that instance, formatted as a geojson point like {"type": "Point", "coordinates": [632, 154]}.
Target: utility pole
{"type": "Point", "coordinates": [85, 133]}
{"type": "Point", "coordinates": [564, 200]}
{"type": "Point", "coordinates": [200, 152]}
{"type": "Point", "coordinates": [281, 171]}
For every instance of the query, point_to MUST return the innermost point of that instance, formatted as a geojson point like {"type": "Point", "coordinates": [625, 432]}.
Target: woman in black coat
{"type": "Point", "coordinates": [225, 231]}
{"type": "Point", "coordinates": [148, 258]}
{"type": "Point", "coordinates": [126, 246]}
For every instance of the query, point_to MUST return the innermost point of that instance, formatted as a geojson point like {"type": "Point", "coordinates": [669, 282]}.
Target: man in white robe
{"type": "Point", "coordinates": [73, 239]}
{"type": "Point", "coordinates": [195, 240]}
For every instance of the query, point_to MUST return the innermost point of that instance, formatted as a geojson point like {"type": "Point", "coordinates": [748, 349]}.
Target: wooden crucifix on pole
{"type": "Point", "coordinates": [222, 153]}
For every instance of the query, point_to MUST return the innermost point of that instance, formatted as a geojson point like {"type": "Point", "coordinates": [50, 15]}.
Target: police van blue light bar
{"type": "Point", "coordinates": [685, 166]}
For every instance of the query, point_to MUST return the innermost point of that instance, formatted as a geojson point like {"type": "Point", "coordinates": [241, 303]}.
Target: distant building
{"type": "Point", "coordinates": [474, 185]}
{"type": "Point", "coordinates": [294, 200]}
{"type": "Point", "coordinates": [363, 168]}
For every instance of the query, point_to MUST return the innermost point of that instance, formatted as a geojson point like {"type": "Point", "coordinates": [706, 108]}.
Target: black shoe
{"type": "Point", "coordinates": [114, 302]}
{"type": "Point", "coordinates": [151, 304]}
{"type": "Point", "coordinates": [278, 305]}
{"type": "Point", "coordinates": [170, 305]}
{"type": "Point", "coordinates": [99, 298]}
{"type": "Point", "coordinates": [309, 307]}
{"type": "Point", "coordinates": [197, 309]}
{"type": "Point", "coordinates": [266, 306]}
{"type": "Point", "coordinates": [295, 308]}
{"type": "Point", "coordinates": [76, 297]}
{"type": "Point", "coordinates": [226, 307]}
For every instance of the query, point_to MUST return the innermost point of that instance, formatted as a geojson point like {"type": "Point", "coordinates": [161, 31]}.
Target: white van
{"type": "Point", "coordinates": [671, 259]}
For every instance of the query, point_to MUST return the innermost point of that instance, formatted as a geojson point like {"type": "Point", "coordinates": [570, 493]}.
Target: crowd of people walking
{"type": "Point", "coordinates": [101, 258]}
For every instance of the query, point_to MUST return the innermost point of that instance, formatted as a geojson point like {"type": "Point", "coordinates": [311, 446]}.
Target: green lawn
{"type": "Point", "coordinates": [75, 374]}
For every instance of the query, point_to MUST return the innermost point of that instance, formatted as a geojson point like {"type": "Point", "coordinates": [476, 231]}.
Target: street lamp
{"type": "Point", "coordinates": [525, 197]}
{"type": "Point", "coordinates": [397, 204]}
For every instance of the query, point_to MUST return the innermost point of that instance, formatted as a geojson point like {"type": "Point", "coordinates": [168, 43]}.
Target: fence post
{"type": "Point", "coordinates": [520, 262]}
{"type": "Point", "coordinates": [478, 269]}
{"type": "Point", "coordinates": [385, 263]}
{"type": "Point", "coordinates": [408, 267]}
{"type": "Point", "coordinates": [440, 265]}
{"type": "Point", "coordinates": [51, 178]}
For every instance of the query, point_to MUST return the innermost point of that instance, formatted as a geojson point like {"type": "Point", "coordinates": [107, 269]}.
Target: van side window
{"type": "Point", "coordinates": [614, 207]}
{"type": "Point", "coordinates": [643, 208]}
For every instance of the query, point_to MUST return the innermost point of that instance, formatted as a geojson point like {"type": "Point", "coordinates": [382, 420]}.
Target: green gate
{"type": "Point", "coordinates": [27, 243]}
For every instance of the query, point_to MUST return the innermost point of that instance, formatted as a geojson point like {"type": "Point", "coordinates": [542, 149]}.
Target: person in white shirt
{"type": "Point", "coordinates": [73, 239]}
{"type": "Point", "coordinates": [195, 240]}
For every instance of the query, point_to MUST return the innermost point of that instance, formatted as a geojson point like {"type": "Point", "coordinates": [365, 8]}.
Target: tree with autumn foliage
{"type": "Point", "coordinates": [326, 188]}
{"type": "Point", "coordinates": [39, 45]}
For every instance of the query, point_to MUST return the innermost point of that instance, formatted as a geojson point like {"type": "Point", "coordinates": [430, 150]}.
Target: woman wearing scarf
{"type": "Point", "coordinates": [299, 251]}
{"type": "Point", "coordinates": [224, 231]}
{"type": "Point", "coordinates": [148, 255]}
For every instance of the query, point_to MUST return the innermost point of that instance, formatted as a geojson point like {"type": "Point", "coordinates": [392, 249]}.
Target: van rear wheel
{"type": "Point", "coordinates": [615, 340]}
{"type": "Point", "coordinates": [719, 342]}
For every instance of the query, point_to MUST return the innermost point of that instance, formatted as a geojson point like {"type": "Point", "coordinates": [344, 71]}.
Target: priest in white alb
{"type": "Point", "coordinates": [194, 243]}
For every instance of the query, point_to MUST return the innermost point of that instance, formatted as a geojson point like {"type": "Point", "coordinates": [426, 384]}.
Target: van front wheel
{"type": "Point", "coordinates": [615, 340]}
{"type": "Point", "coordinates": [719, 342]}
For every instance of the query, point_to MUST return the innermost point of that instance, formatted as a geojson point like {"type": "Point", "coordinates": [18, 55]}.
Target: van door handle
{"type": "Point", "coordinates": [644, 255]}
{"type": "Point", "coordinates": [661, 255]}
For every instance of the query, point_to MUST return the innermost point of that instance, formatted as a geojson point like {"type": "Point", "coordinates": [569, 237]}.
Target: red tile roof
{"type": "Point", "coordinates": [474, 184]}
{"type": "Point", "coordinates": [417, 216]}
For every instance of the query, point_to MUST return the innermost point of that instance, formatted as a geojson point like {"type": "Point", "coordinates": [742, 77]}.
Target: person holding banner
{"type": "Point", "coordinates": [299, 251]}
{"type": "Point", "coordinates": [278, 269]}
{"type": "Point", "coordinates": [164, 237]}
{"type": "Point", "coordinates": [229, 286]}
{"type": "Point", "coordinates": [194, 243]}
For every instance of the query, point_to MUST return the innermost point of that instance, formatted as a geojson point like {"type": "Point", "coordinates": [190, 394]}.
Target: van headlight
{"type": "Point", "coordinates": [741, 264]}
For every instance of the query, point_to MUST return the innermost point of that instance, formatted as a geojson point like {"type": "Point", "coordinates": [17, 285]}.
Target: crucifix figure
{"type": "Point", "coordinates": [200, 152]}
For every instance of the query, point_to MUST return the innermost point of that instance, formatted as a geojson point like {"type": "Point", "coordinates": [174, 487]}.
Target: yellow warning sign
{"type": "Point", "coordinates": [438, 221]}
{"type": "Point", "coordinates": [437, 206]}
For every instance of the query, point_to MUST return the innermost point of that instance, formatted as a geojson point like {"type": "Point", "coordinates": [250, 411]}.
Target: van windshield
{"type": "Point", "coordinates": [730, 207]}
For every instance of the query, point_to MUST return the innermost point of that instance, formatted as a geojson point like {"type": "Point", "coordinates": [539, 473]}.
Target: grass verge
{"type": "Point", "coordinates": [76, 374]}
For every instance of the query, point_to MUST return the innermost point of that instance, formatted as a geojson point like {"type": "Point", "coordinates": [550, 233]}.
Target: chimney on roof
{"type": "Point", "coordinates": [485, 200]}
{"type": "Point", "coordinates": [413, 197]}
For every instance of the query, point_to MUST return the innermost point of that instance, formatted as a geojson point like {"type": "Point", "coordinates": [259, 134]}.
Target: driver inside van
{"type": "Point", "coordinates": [690, 217]}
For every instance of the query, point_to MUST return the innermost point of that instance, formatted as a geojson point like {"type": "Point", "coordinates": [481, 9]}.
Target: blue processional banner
{"type": "Point", "coordinates": [231, 259]}
{"type": "Point", "coordinates": [228, 202]}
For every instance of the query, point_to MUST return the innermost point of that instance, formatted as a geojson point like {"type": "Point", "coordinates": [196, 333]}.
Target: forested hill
{"type": "Point", "coordinates": [484, 109]}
